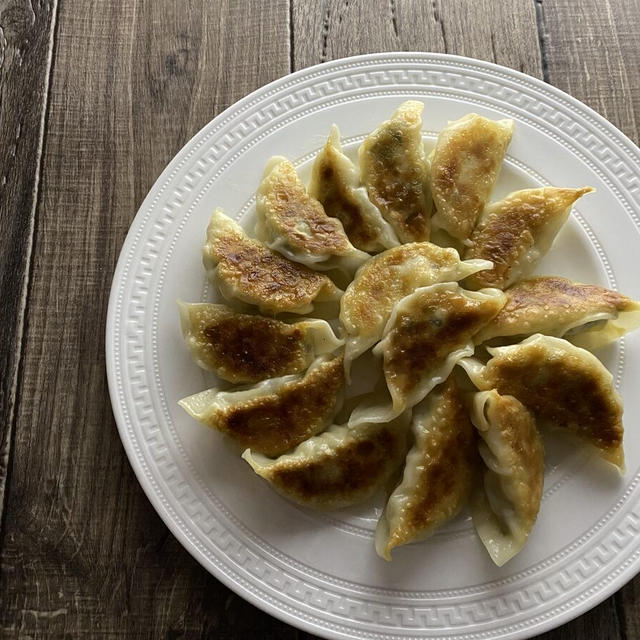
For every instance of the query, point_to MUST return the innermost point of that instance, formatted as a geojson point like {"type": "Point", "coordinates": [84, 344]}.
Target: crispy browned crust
{"type": "Point", "coordinates": [449, 458]}
{"type": "Point", "coordinates": [558, 390]}
{"type": "Point", "coordinates": [289, 207]}
{"type": "Point", "coordinates": [243, 348]}
{"type": "Point", "coordinates": [460, 198]}
{"type": "Point", "coordinates": [262, 276]}
{"type": "Point", "coordinates": [534, 305]}
{"type": "Point", "coordinates": [276, 423]}
{"type": "Point", "coordinates": [394, 179]}
{"type": "Point", "coordinates": [338, 202]}
{"type": "Point", "coordinates": [511, 227]}
{"type": "Point", "coordinates": [422, 338]}
{"type": "Point", "coordinates": [380, 284]}
{"type": "Point", "coordinates": [518, 429]}
{"type": "Point", "coordinates": [353, 469]}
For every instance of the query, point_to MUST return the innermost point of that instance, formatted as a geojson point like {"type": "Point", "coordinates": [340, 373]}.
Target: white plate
{"type": "Point", "coordinates": [320, 572]}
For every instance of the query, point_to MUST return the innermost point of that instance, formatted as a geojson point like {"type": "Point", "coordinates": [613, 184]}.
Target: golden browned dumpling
{"type": "Point", "coordinates": [248, 348]}
{"type": "Point", "coordinates": [245, 269]}
{"type": "Point", "coordinates": [587, 315]}
{"type": "Point", "coordinates": [505, 505]}
{"type": "Point", "coordinates": [275, 415]}
{"type": "Point", "coordinates": [437, 474]}
{"type": "Point", "coordinates": [293, 223]}
{"type": "Point", "coordinates": [388, 277]}
{"type": "Point", "coordinates": [337, 468]}
{"type": "Point", "coordinates": [394, 171]}
{"type": "Point", "coordinates": [517, 231]}
{"type": "Point", "coordinates": [465, 165]}
{"type": "Point", "coordinates": [562, 385]}
{"type": "Point", "coordinates": [335, 183]}
{"type": "Point", "coordinates": [428, 332]}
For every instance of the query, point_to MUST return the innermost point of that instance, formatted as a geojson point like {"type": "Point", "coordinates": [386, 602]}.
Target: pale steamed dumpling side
{"type": "Point", "coordinates": [562, 385]}
{"type": "Point", "coordinates": [437, 474]}
{"type": "Point", "coordinates": [274, 416]}
{"type": "Point", "coordinates": [244, 348]}
{"type": "Point", "coordinates": [368, 301]}
{"type": "Point", "coordinates": [517, 231]}
{"type": "Point", "coordinates": [245, 269]}
{"type": "Point", "coordinates": [293, 223]}
{"type": "Point", "coordinates": [505, 505]}
{"type": "Point", "coordinates": [394, 170]}
{"type": "Point", "coordinates": [335, 183]}
{"type": "Point", "coordinates": [586, 315]}
{"type": "Point", "coordinates": [428, 332]}
{"type": "Point", "coordinates": [340, 467]}
{"type": "Point", "coordinates": [465, 165]}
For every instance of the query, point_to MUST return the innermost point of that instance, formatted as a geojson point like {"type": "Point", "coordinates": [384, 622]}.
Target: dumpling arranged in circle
{"type": "Point", "coordinates": [276, 415]}
{"type": "Point", "coordinates": [242, 348]}
{"type": "Point", "coordinates": [335, 183]}
{"type": "Point", "coordinates": [563, 386]}
{"type": "Point", "coordinates": [394, 170]}
{"type": "Point", "coordinates": [245, 269]}
{"type": "Point", "coordinates": [293, 223]}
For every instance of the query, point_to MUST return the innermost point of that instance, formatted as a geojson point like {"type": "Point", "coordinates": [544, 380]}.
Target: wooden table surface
{"type": "Point", "coordinates": [95, 98]}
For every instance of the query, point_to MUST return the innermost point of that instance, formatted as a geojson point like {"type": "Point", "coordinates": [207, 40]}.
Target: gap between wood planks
{"type": "Point", "coordinates": [22, 317]}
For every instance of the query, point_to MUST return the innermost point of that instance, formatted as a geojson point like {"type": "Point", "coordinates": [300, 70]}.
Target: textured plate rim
{"type": "Point", "coordinates": [595, 598]}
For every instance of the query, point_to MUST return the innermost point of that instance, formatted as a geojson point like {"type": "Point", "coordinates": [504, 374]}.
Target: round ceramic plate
{"type": "Point", "coordinates": [320, 571]}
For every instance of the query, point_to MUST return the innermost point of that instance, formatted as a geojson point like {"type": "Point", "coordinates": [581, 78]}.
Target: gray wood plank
{"type": "Point", "coordinates": [503, 32]}
{"type": "Point", "coordinates": [591, 50]}
{"type": "Point", "coordinates": [84, 552]}
{"type": "Point", "coordinates": [26, 33]}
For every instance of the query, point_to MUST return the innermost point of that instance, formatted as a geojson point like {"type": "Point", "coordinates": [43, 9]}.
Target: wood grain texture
{"type": "Point", "coordinates": [25, 34]}
{"type": "Point", "coordinates": [83, 552]}
{"type": "Point", "coordinates": [503, 32]}
{"type": "Point", "coordinates": [592, 51]}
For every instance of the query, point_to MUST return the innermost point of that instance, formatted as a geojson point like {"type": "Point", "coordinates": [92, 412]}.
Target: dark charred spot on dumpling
{"type": "Point", "coordinates": [424, 336]}
{"type": "Point", "coordinates": [278, 422]}
{"type": "Point", "coordinates": [253, 348]}
{"type": "Point", "coordinates": [351, 468]}
{"type": "Point", "coordinates": [562, 393]}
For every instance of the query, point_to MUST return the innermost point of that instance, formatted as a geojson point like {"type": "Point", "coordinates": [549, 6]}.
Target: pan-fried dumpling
{"type": "Point", "coordinates": [336, 185]}
{"type": "Point", "coordinates": [517, 231]}
{"type": "Point", "coordinates": [388, 277]}
{"type": "Point", "coordinates": [562, 385]}
{"type": "Point", "coordinates": [394, 171]}
{"type": "Point", "coordinates": [337, 468]}
{"type": "Point", "coordinates": [428, 332]}
{"type": "Point", "coordinates": [587, 315]}
{"type": "Point", "coordinates": [244, 348]}
{"type": "Point", "coordinates": [274, 416]}
{"type": "Point", "coordinates": [437, 474]}
{"type": "Point", "coordinates": [504, 506]}
{"type": "Point", "coordinates": [245, 269]}
{"type": "Point", "coordinates": [293, 223]}
{"type": "Point", "coordinates": [465, 165]}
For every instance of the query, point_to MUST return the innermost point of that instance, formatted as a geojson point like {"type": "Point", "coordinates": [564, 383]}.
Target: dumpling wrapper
{"type": "Point", "coordinates": [245, 269]}
{"type": "Point", "coordinates": [517, 231]}
{"type": "Point", "coordinates": [338, 468]}
{"type": "Point", "coordinates": [368, 301]}
{"type": "Point", "coordinates": [335, 183]}
{"type": "Point", "coordinates": [276, 415]}
{"type": "Point", "coordinates": [438, 471]}
{"type": "Point", "coordinates": [465, 165]}
{"type": "Point", "coordinates": [244, 348]}
{"type": "Point", "coordinates": [427, 333]}
{"type": "Point", "coordinates": [394, 170]}
{"type": "Point", "coordinates": [563, 386]}
{"type": "Point", "coordinates": [584, 314]}
{"type": "Point", "coordinates": [293, 223]}
{"type": "Point", "coordinates": [505, 505]}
